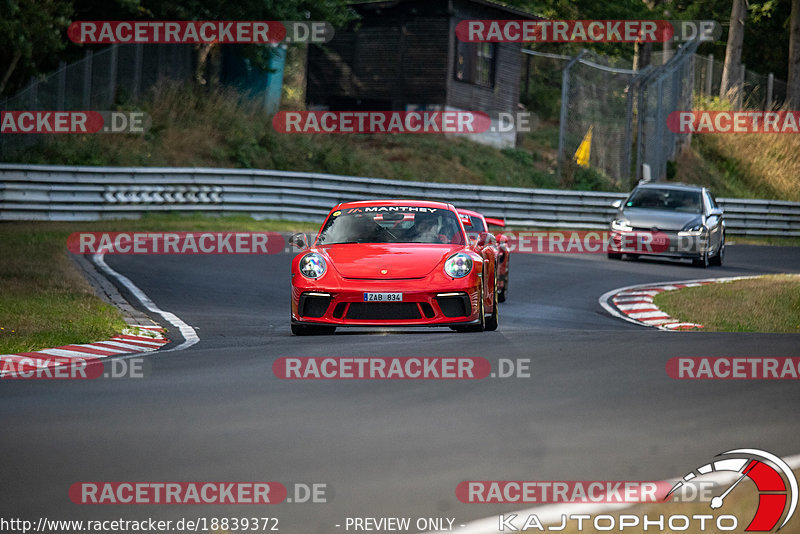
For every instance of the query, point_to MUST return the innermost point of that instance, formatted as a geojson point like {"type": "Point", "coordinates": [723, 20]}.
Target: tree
{"type": "Point", "coordinates": [733, 52]}
{"type": "Point", "coordinates": [31, 35]}
{"type": "Point", "coordinates": [336, 12]}
{"type": "Point", "coordinates": [793, 84]}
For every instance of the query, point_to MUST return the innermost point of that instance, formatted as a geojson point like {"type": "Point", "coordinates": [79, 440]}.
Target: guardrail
{"type": "Point", "coordinates": [62, 193]}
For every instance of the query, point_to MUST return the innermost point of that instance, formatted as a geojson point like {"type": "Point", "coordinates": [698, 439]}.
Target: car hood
{"type": "Point", "coordinates": [661, 219]}
{"type": "Point", "coordinates": [402, 260]}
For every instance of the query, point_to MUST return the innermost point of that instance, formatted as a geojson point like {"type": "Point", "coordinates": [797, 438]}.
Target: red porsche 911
{"type": "Point", "coordinates": [392, 263]}
{"type": "Point", "coordinates": [476, 226]}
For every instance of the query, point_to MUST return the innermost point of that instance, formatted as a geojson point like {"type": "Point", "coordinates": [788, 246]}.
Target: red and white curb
{"type": "Point", "coordinates": [635, 303]}
{"type": "Point", "coordinates": [134, 340]}
{"type": "Point", "coordinates": [187, 332]}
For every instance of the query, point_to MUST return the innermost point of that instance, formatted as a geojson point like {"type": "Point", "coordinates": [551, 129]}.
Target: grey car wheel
{"type": "Point", "coordinates": [702, 261]}
{"type": "Point", "coordinates": [719, 257]}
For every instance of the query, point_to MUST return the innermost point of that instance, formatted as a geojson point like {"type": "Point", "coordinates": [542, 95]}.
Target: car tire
{"type": "Point", "coordinates": [614, 256]}
{"type": "Point", "coordinates": [501, 296]}
{"type": "Point", "coordinates": [702, 261]}
{"type": "Point", "coordinates": [308, 330]}
{"type": "Point", "coordinates": [494, 319]}
{"type": "Point", "coordinates": [719, 257]}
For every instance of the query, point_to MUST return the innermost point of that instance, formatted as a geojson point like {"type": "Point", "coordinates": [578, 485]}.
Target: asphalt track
{"type": "Point", "coordinates": [598, 405]}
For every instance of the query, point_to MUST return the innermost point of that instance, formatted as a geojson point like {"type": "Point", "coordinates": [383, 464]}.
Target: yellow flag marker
{"type": "Point", "coordinates": [584, 149]}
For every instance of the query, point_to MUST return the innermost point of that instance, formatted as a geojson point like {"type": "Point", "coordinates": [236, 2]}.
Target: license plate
{"type": "Point", "coordinates": [383, 297]}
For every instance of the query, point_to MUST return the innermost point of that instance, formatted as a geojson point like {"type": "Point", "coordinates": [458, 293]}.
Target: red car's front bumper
{"type": "Point", "coordinates": [434, 301]}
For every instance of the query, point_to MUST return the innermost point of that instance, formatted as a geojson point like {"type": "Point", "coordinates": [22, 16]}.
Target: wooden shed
{"type": "Point", "coordinates": [404, 55]}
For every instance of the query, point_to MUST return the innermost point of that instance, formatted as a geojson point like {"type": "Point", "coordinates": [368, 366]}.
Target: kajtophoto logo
{"type": "Point", "coordinates": [774, 480]}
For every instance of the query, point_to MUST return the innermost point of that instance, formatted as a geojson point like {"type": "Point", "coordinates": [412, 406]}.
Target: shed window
{"type": "Point", "coordinates": [475, 63]}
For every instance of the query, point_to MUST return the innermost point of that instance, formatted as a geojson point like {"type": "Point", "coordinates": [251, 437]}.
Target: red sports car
{"type": "Point", "coordinates": [476, 224]}
{"type": "Point", "coordinates": [392, 263]}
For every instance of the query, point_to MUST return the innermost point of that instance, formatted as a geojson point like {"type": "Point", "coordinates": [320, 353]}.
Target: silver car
{"type": "Point", "coordinates": [670, 220]}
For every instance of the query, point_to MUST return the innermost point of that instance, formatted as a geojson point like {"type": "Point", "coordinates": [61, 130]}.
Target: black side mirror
{"type": "Point", "coordinates": [299, 240]}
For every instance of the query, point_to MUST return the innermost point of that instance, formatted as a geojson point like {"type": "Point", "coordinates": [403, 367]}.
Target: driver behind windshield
{"type": "Point", "coordinates": [426, 229]}
{"type": "Point", "coordinates": [391, 228]}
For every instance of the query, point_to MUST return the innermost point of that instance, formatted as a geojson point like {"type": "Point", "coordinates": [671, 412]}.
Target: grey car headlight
{"type": "Point", "coordinates": [312, 265]}
{"type": "Point", "coordinates": [458, 265]}
{"type": "Point", "coordinates": [692, 229]}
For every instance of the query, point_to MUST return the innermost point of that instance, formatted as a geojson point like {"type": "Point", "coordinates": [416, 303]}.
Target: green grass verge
{"type": "Point", "coordinates": [45, 302]}
{"type": "Point", "coordinates": [741, 165]}
{"type": "Point", "coordinates": [732, 239]}
{"type": "Point", "coordinates": [196, 128]}
{"type": "Point", "coordinates": [765, 304]}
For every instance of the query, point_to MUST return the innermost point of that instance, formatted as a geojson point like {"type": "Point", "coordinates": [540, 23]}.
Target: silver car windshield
{"type": "Point", "coordinates": [391, 227]}
{"type": "Point", "coordinates": [666, 199]}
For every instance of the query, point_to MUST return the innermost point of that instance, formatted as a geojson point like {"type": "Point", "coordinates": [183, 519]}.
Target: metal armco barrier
{"type": "Point", "coordinates": [60, 193]}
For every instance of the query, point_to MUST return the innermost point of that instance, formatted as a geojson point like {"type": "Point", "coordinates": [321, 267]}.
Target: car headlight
{"type": "Point", "coordinates": [621, 225]}
{"type": "Point", "coordinates": [312, 265]}
{"type": "Point", "coordinates": [692, 229]}
{"type": "Point", "coordinates": [458, 265]}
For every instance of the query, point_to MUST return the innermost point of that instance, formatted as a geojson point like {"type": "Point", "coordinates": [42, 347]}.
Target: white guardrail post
{"type": "Point", "coordinates": [61, 193]}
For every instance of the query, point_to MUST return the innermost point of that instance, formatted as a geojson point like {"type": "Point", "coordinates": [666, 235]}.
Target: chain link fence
{"type": "Point", "coordinates": [597, 107]}
{"type": "Point", "coordinates": [118, 73]}
{"type": "Point", "coordinates": [756, 91]}
{"type": "Point", "coordinates": [611, 113]}
{"type": "Point", "coordinates": [664, 89]}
